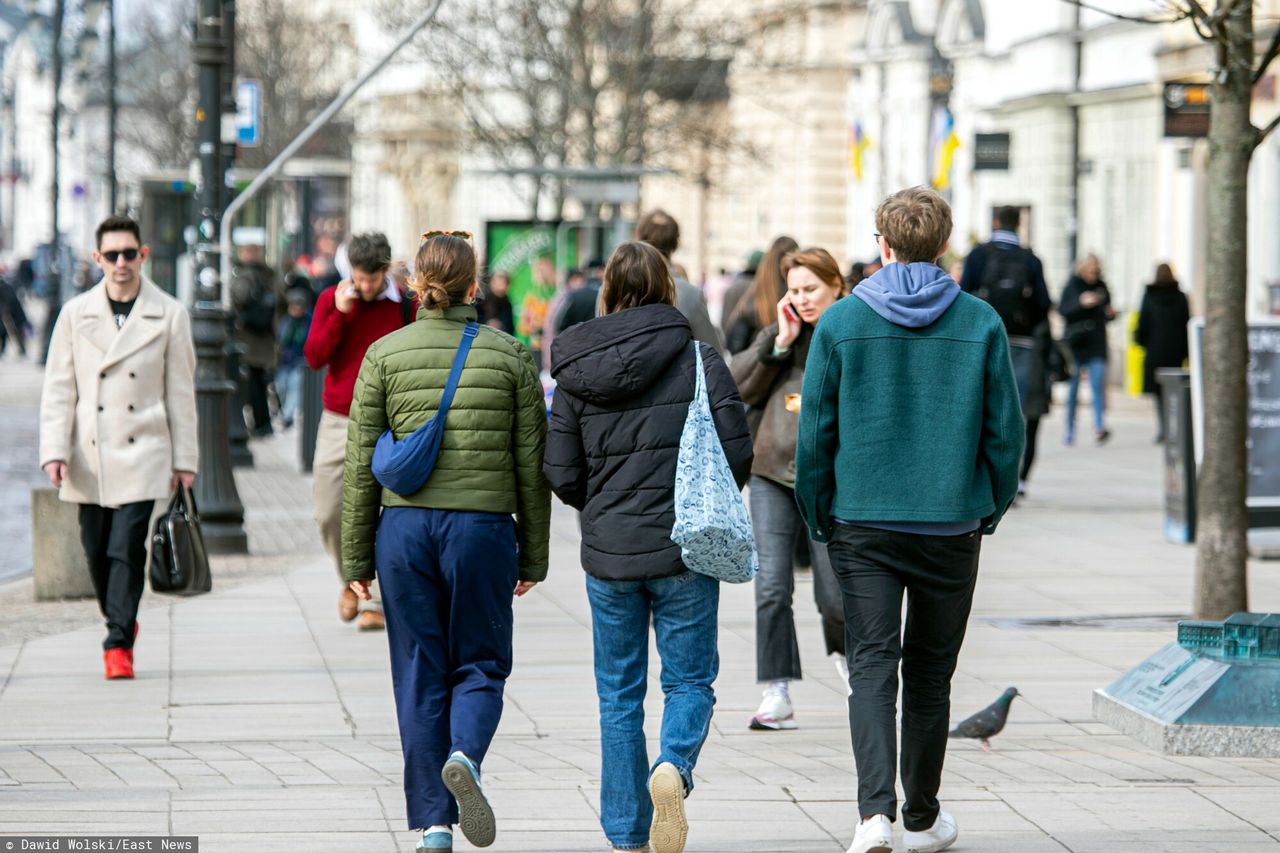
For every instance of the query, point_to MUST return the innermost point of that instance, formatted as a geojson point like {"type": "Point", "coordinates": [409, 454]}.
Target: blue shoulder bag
{"type": "Point", "coordinates": [404, 466]}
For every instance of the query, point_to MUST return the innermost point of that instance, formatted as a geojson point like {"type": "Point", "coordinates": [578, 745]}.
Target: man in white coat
{"type": "Point", "coordinates": [118, 422]}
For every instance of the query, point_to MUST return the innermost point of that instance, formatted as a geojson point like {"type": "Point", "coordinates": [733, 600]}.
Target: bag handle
{"type": "Point", "coordinates": [455, 373]}
{"type": "Point", "coordinates": [699, 384]}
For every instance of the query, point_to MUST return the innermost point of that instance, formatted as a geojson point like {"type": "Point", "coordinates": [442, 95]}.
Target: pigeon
{"type": "Point", "coordinates": [988, 722]}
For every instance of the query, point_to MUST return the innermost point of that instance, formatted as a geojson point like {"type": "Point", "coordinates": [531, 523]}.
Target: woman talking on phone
{"type": "Point", "coordinates": [770, 374]}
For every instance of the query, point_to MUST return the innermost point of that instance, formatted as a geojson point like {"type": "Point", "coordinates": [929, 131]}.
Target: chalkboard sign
{"type": "Point", "coordinates": [1263, 437]}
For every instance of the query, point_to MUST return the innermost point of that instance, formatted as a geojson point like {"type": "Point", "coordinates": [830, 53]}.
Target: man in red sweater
{"type": "Point", "coordinates": [349, 317]}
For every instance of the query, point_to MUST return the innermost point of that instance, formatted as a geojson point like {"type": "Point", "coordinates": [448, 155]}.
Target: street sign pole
{"type": "Point", "coordinates": [222, 513]}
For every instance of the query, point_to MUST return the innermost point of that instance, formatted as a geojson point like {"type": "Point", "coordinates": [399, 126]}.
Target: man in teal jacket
{"type": "Point", "coordinates": [909, 443]}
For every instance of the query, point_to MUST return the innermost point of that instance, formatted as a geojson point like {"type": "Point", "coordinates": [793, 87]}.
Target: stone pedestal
{"type": "Point", "coordinates": [59, 567]}
{"type": "Point", "coordinates": [1212, 695]}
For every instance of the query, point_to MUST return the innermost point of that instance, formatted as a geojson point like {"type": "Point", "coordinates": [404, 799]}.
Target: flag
{"type": "Point", "coordinates": [858, 145]}
{"type": "Point", "coordinates": [945, 142]}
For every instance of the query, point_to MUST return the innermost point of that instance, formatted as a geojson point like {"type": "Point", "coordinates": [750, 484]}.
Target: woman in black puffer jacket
{"type": "Point", "coordinates": [624, 384]}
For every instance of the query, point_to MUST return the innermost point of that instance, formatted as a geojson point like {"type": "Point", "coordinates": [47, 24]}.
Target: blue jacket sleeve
{"type": "Point", "coordinates": [817, 440]}
{"type": "Point", "coordinates": [1003, 429]}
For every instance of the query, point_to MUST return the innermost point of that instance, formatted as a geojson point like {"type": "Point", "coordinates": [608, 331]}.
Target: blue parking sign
{"type": "Point", "coordinates": [249, 113]}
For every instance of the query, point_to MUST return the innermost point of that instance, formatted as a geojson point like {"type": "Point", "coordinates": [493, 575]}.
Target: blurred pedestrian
{"type": "Point", "coordinates": [294, 327]}
{"type": "Point", "coordinates": [902, 473]}
{"type": "Point", "coordinates": [758, 308]}
{"type": "Point", "coordinates": [574, 281]}
{"type": "Point", "coordinates": [450, 556]}
{"type": "Point", "coordinates": [660, 230]}
{"type": "Point", "coordinates": [13, 318]}
{"type": "Point", "coordinates": [1046, 363]}
{"type": "Point", "coordinates": [624, 381]}
{"type": "Point", "coordinates": [738, 289]}
{"type": "Point", "coordinates": [1086, 308]}
{"type": "Point", "coordinates": [770, 374]}
{"type": "Point", "coordinates": [581, 304]}
{"type": "Point", "coordinates": [256, 297]}
{"type": "Point", "coordinates": [495, 306]}
{"type": "Point", "coordinates": [118, 422]}
{"type": "Point", "coordinates": [348, 318]}
{"type": "Point", "coordinates": [1162, 332]}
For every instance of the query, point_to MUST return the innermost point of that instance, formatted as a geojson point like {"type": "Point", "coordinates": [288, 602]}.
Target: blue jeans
{"type": "Point", "coordinates": [447, 579]}
{"type": "Point", "coordinates": [1097, 368]}
{"type": "Point", "coordinates": [684, 609]}
{"type": "Point", "coordinates": [289, 390]}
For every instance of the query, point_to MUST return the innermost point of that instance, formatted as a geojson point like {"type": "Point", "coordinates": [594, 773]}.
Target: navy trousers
{"type": "Point", "coordinates": [447, 585]}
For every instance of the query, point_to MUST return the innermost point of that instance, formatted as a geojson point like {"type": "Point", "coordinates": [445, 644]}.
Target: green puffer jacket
{"type": "Point", "coordinates": [491, 456]}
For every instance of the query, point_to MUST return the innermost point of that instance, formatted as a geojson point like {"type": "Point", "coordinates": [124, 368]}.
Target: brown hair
{"type": "Point", "coordinates": [370, 253]}
{"type": "Point", "coordinates": [1164, 275]}
{"type": "Point", "coordinates": [443, 271]}
{"type": "Point", "coordinates": [770, 283]}
{"type": "Point", "coordinates": [916, 223]}
{"type": "Point", "coordinates": [637, 275]}
{"type": "Point", "coordinates": [659, 230]}
{"type": "Point", "coordinates": [817, 261]}
{"type": "Point", "coordinates": [117, 223]}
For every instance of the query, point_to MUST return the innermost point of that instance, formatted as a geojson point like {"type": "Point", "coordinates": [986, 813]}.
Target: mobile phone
{"type": "Point", "coordinates": [790, 311]}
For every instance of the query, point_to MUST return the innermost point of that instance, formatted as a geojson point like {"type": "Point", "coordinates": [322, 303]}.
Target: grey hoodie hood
{"type": "Point", "coordinates": [909, 295]}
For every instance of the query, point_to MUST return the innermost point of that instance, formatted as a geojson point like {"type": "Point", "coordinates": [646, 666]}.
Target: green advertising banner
{"type": "Point", "coordinates": [526, 251]}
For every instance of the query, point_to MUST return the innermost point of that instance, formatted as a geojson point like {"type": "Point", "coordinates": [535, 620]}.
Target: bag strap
{"type": "Point", "coordinates": [699, 383]}
{"type": "Point", "coordinates": [455, 373]}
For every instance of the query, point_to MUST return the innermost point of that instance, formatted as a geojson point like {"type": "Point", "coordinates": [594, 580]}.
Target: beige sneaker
{"type": "Point", "coordinates": [669, 829]}
{"type": "Point", "coordinates": [372, 620]}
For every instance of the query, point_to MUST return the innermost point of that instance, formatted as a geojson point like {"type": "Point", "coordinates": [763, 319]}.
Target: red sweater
{"type": "Point", "coordinates": [338, 341]}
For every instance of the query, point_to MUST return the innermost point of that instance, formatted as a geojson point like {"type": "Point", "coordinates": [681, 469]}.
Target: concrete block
{"type": "Point", "coordinates": [59, 567]}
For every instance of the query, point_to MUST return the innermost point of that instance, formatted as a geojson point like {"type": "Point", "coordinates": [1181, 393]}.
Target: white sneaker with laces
{"type": "Point", "coordinates": [940, 836]}
{"type": "Point", "coordinates": [873, 836]}
{"type": "Point", "coordinates": [775, 712]}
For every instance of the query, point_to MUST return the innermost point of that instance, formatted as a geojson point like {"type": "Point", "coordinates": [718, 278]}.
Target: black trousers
{"type": "Point", "coordinates": [115, 541]}
{"type": "Point", "coordinates": [256, 390]}
{"type": "Point", "coordinates": [1029, 454]}
{"type": "Point", "coordinates": [874, 568]}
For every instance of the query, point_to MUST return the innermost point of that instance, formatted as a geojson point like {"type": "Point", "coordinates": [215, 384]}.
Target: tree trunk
{"type": "Point", "coordinates": [1221, 567]}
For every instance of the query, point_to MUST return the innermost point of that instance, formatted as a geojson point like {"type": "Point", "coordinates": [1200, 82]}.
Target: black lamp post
{"type": "Point", "coordinates": [221, 511]}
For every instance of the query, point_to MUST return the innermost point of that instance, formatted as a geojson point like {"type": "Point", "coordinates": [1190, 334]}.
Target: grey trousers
{"type": "Point", "coordinates": [776, 520]}
{"type": "Point", "coordinates": [326, 471]}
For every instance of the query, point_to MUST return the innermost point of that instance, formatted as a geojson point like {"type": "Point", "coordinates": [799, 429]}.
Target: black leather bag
{"type": "Point", "coordinates": [179, 562]}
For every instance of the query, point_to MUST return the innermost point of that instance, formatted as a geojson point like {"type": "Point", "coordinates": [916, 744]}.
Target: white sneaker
{"type": "Point", "coordinates": [873, 836]}
{"type": "Point", "coordinates": [842, 669]}
{"type": "Point", "coordinates": [940, 836]}
{"type": "Point", "coordinates": [775, 712]}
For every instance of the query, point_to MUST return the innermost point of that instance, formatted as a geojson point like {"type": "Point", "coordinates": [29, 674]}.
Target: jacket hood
{"type": "Point", "coordinates": [618, 356]}
{"type": "Point", "coordinates": [909, 295]}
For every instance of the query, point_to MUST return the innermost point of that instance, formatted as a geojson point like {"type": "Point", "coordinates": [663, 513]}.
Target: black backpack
{"type": "Point", "coordinates": [1007, 286]}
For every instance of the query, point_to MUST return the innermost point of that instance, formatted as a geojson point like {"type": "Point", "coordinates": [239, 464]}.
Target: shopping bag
{"type": "Point", "coordinates": [712, 526]}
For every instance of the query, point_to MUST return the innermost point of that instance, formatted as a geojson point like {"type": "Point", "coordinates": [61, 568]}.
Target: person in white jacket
{"type": "Point", "coordinates": [118, 422]}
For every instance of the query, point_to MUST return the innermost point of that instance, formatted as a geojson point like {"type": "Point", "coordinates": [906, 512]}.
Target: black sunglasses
{"type": "Point", "coordinates": [114, 255]}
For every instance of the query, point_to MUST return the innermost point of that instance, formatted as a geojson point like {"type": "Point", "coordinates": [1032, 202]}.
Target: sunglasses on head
{"type": "Point", "coordinates": [427, 235]}
{"type": "Point", "coordinates": [114, 255]}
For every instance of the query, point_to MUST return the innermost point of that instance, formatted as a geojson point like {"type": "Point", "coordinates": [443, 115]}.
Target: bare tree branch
{"type": "Point", "coordinates": [1176, 13]}
{"type": "Point", "coordinates": [1267, 58]}
{"type": "Point", "coordinates": [1261, 135]}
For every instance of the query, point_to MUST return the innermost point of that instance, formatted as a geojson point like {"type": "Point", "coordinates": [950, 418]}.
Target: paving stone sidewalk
{"type": "Point", "coordinates": [261, 723]}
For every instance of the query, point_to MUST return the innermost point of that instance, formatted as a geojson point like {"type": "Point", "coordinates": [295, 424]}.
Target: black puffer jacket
{"type": "Point", "coordinates": [624, 384]}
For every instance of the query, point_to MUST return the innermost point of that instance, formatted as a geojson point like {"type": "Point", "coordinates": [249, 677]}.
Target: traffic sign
{"type": "Point", "coordinates": [249, 113]}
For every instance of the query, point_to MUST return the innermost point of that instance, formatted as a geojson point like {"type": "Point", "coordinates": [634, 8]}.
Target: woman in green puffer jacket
{"type": "Point", "coordinates": [449, 556]}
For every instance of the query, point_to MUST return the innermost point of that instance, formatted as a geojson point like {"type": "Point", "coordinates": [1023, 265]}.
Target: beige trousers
{"type": "Point", "coordinates": [326, 470]}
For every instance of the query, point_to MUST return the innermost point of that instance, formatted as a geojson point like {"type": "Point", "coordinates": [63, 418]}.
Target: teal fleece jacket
{"type": "Point", "coordinates": [906, 422]}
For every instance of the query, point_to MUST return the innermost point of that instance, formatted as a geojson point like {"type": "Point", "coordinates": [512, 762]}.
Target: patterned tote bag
{"type": "Point", "coordinates": [712, 527]}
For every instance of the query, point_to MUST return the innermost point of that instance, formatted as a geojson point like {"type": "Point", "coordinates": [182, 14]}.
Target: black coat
{"type": "Point", "coordinates": [1162, 330]}
{"type": "Point", "coordinates": [624, 384]}
{"type": "Point", "coordinates": [1086, 329]}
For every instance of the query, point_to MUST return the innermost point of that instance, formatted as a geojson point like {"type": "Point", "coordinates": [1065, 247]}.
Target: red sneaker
{"type": "Point", "coordinates": [117, 663]}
